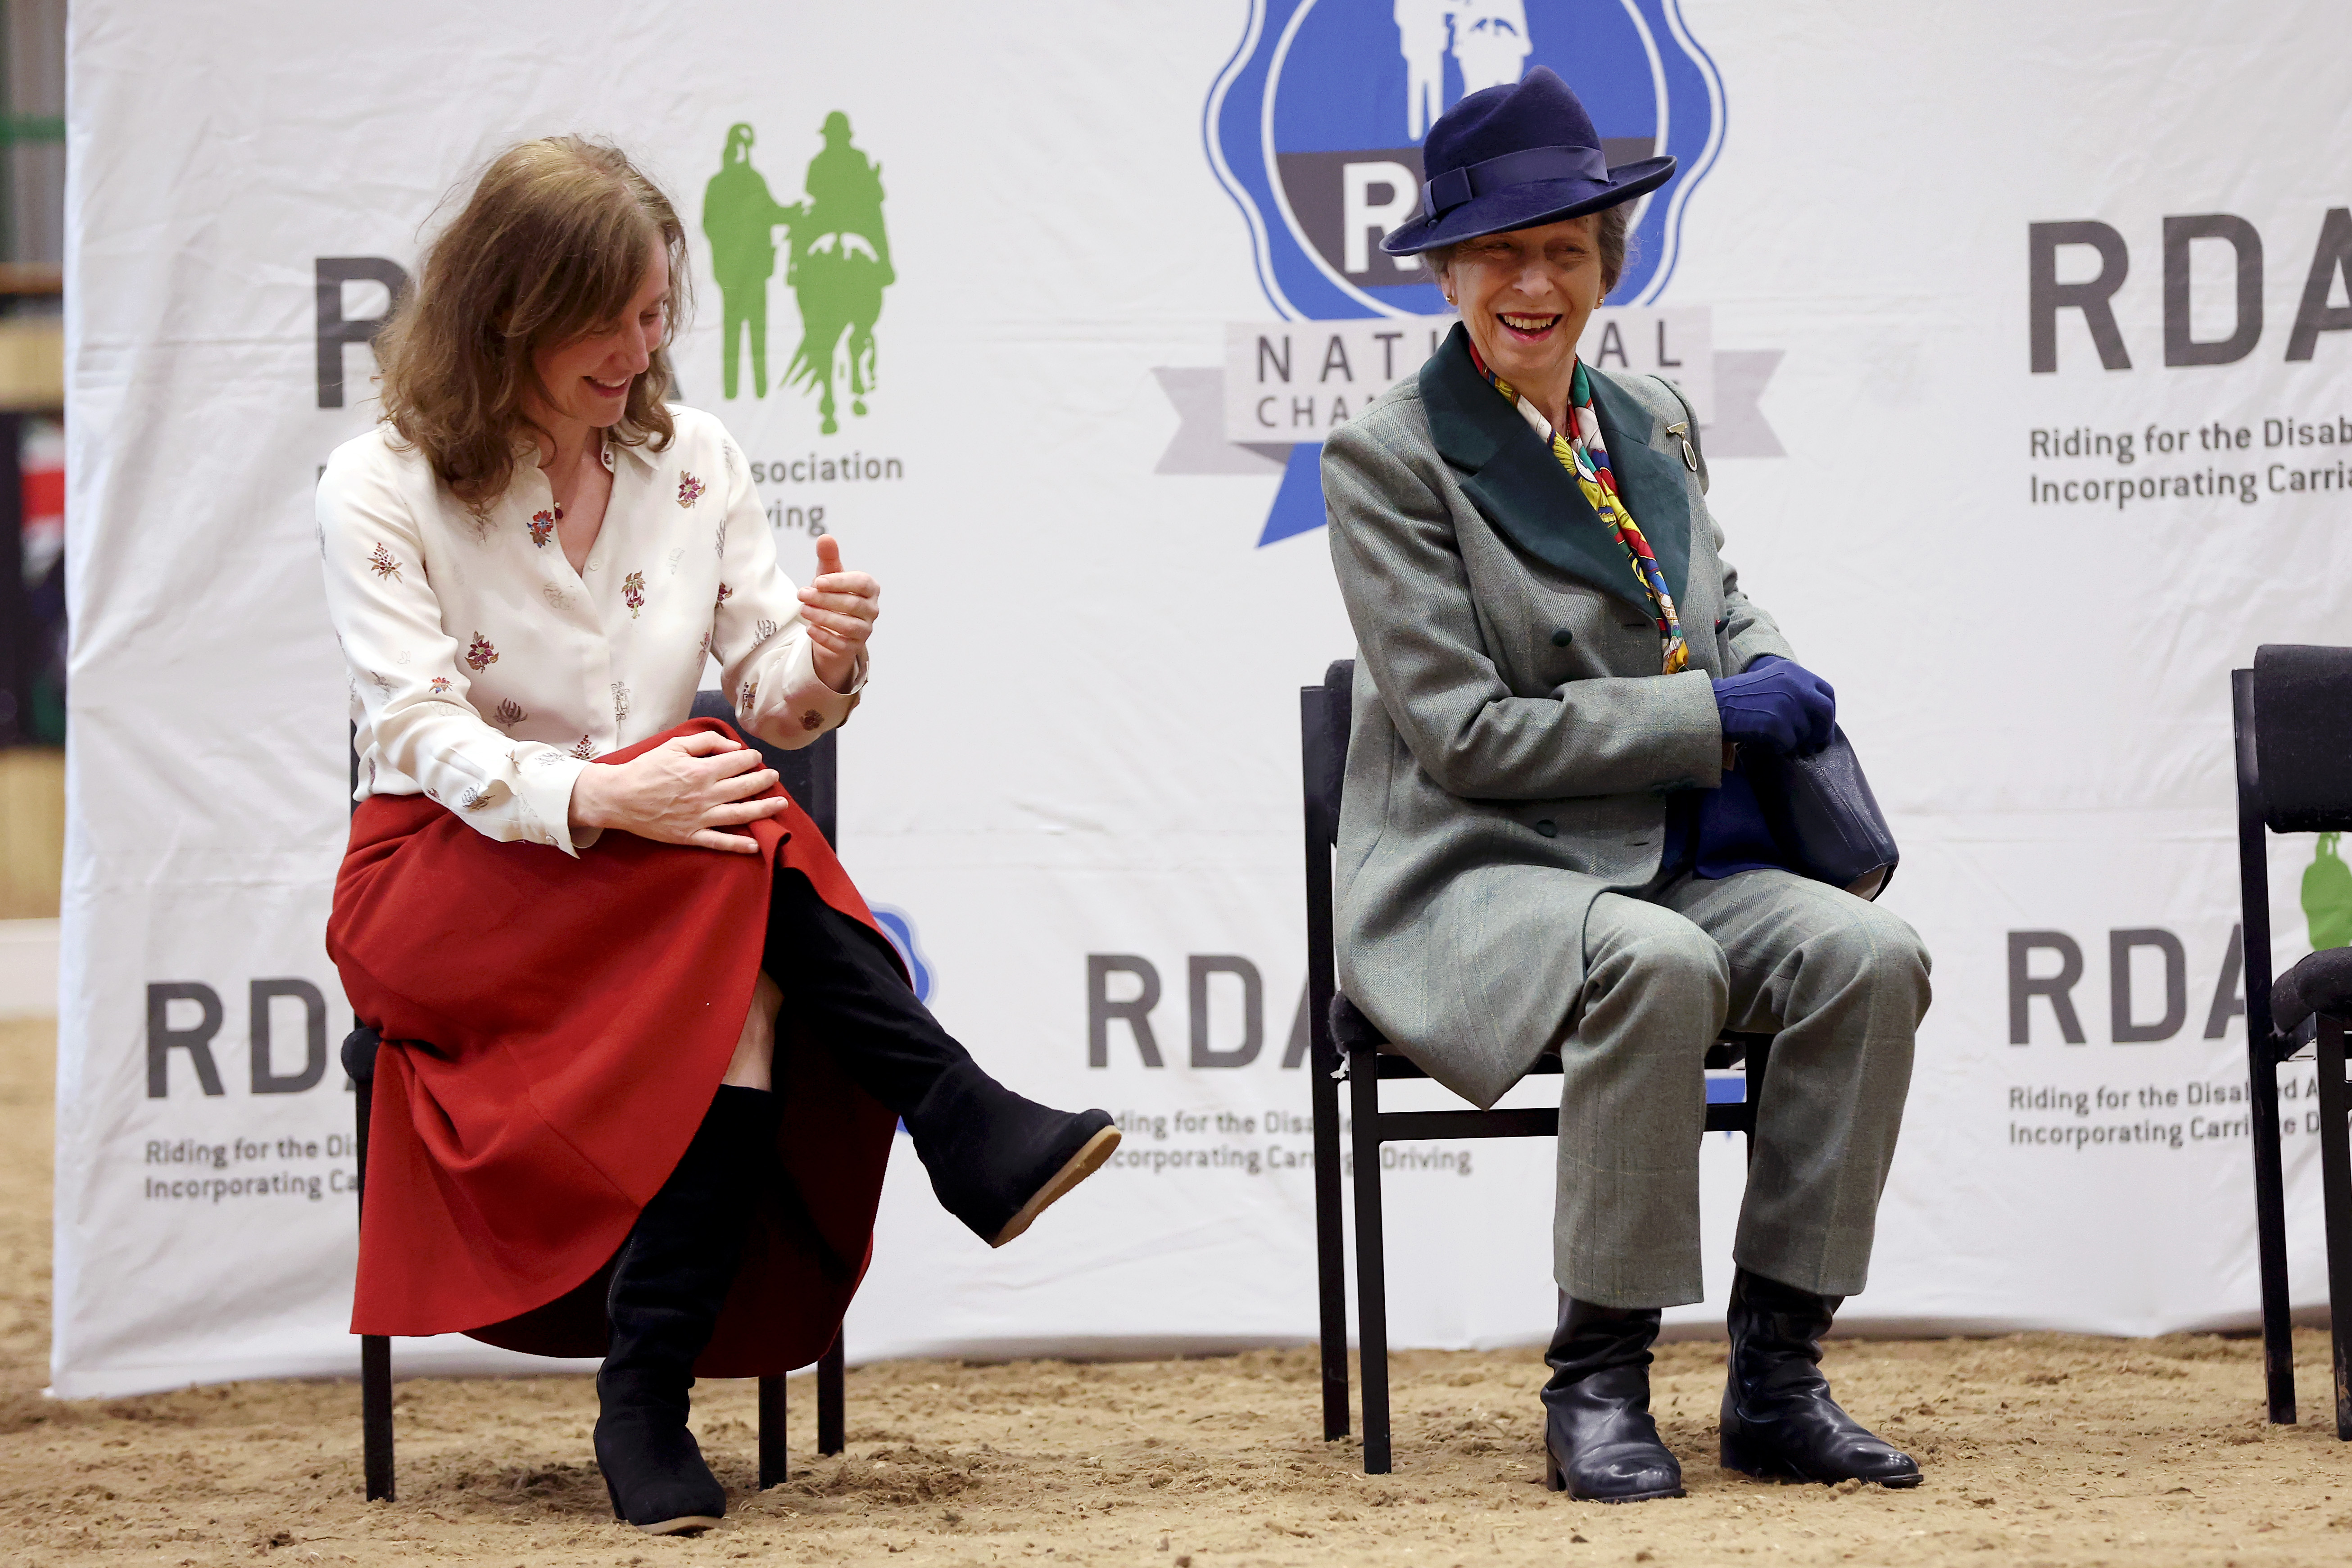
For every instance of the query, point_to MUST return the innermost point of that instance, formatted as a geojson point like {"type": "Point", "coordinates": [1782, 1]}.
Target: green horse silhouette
{"type": "Point", "coordinates": [839, 266]}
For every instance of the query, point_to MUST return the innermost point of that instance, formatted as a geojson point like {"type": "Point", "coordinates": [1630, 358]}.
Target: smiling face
{"type": "Point", "coordinates": [588, 378]}
{"type": "Point", "coordinates": [1524, 297]}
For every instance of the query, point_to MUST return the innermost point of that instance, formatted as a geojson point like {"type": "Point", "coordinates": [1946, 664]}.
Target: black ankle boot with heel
{"type": "Point", "coordinates": [1778, 1420]}
{"type": "Point", "coordinates": [1600, 1444]}
{"type": "Point", "coordinates": [669, 1280]}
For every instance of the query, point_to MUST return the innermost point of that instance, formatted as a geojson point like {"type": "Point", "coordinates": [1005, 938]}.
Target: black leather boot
{"type": "Point", "coordinates": [669, 1280]}
{"type": "Point", "coordinates": [996, 1160]}
{"type": "Point", "coordinates": [1778, 1420]}
{"type": "Point", "coordinates": [1600, 1443]}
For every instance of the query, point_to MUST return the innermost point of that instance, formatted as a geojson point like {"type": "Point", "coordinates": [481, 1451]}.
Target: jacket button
{"type": "Point", "coordinates": [1562, 637]}
{"type": "Point", "coordinates": [1547, 827]}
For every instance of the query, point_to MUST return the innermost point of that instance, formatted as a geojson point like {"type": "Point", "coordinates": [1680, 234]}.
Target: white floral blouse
{"type": "Point", "coordinates": [486, 673]}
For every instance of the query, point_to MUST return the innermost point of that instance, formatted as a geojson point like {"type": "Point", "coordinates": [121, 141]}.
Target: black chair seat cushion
{"type": "Point", "coordinates": [2320, 984]}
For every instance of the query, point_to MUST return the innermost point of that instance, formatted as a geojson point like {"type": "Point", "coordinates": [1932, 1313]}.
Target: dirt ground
{"type": "Point", "coordinates": [2038, 1448]}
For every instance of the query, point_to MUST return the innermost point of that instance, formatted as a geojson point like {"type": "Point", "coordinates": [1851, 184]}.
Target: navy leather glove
{"type": "Point", "coordinates": [1778, 705]}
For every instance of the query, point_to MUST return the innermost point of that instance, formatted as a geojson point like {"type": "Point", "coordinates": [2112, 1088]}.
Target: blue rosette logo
{"type": "Point", "coordinates": [1314, 126]}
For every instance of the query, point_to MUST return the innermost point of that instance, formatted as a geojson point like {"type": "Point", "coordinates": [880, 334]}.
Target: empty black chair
{"type": "Point", "coordinates": [2293, 715]}
{"type": "Point", "coordinates": [809, 776]}
{"type": "Point", "coordinates": [1348, 1049]}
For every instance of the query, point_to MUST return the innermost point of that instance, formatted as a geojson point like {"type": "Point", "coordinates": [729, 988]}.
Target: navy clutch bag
{"type": "Point", "coordinates": [1823, 817]}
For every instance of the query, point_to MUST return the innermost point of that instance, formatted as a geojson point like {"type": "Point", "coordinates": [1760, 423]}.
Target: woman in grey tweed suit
{"type": "Point", "coordinates": [1542, 844]}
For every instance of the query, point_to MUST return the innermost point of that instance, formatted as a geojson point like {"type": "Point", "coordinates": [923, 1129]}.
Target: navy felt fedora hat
{"type": "Point", "coordinates": [1512, 157]}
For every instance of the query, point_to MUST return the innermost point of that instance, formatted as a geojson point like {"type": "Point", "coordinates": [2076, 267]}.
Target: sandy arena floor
{"type": "Point", "coordinates": [2038, 1448]}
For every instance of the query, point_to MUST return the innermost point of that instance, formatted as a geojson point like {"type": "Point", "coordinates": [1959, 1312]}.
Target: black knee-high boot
{"type": "Point", "coordinates": [996, 1160]}
{"type": "Point", "coordinates": [1600, 1444]}
{"type": "Point", "coordinates": [1778, 1420]}
{"type": "Point", "coordinates": [669, 1280]}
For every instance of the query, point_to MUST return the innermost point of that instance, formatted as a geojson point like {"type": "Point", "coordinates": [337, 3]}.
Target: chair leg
{"type": "Point", "coordinates": [776, 1467]}
{"type": "Point", "coordinates": [2262, 1063]}
{"type": "Point", "coordinates": [831, 1395]}
{"type": "Point", "coordinates": [375, 1350]}
{"type": "Point", "coordinates": [2270, 1231]}
{"type": "Point", "coordinates": [1371, 1281]}
{"type": "Point", "coordinates": [1330, 1244]}
{"type": "Point", "coordinates": [2336, 1184]}
{"type": "Point", "coordinates": [376, 1415]}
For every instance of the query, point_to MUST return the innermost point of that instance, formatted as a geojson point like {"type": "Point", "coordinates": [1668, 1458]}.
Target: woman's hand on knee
{"type": "Point", "coordinates": [686, 790]}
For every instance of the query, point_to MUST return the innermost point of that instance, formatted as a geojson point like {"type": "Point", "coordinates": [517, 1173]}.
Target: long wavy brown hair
{"type": "Point", "coordinates": [552, 243]}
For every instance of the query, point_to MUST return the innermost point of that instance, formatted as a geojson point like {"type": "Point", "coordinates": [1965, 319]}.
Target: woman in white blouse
{"type": "Point", "coordinates": [575, 916]}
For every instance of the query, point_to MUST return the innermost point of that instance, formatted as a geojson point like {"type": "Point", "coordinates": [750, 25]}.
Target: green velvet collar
{"type": "Point", "coordinates": [1519, 487]}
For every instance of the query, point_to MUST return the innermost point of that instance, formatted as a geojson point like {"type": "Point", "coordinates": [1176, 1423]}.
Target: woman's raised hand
{"type": "Point", "coordinates": [684, 791]}
{"type": "Point", "coordinates": [839, 607]}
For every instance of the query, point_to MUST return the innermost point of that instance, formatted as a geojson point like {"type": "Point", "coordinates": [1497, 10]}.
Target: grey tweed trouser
{"type": "Point", "coordinates": [1845, 985]}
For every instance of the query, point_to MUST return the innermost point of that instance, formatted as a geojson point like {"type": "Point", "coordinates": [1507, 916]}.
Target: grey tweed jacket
{"type": "Point", "coordinates": [1514, 742]}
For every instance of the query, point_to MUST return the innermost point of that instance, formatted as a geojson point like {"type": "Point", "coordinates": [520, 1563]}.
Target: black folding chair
{"type": "Point", "coordinates": [2293, 715]}
{"type": "Point", "coordinates": [1348, 1049]}
{"type": "Point", "coordinates": [809, 776]}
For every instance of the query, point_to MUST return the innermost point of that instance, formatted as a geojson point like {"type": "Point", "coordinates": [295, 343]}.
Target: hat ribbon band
{"type": "Point", "coordinates": [1454, 187]}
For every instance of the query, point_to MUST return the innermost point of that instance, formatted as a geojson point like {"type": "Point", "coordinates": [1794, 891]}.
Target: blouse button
{"type": "Point", "coordinates": [1547, 827]}
{"type": "Point", "coordinates": [595, 563]}
{"type": "Point", "coordinates": [1562, 637]}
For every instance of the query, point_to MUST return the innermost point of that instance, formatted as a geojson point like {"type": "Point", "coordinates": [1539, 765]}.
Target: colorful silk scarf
{"type": "Point", "coordinates": [1586, 458]}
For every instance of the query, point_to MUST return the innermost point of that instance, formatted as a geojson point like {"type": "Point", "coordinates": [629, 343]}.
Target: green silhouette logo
{"type": "Point", "coordinates": [2327, 897]}
{"type": "Point", "coordinates": [838, 265]}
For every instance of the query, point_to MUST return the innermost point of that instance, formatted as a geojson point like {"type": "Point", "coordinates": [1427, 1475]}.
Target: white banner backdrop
{"type": "Point", "coordinates": [2029, 395]}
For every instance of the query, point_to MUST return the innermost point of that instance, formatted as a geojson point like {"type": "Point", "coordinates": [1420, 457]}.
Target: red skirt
{"type": "Point", "coordinates": [553, 1031]}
